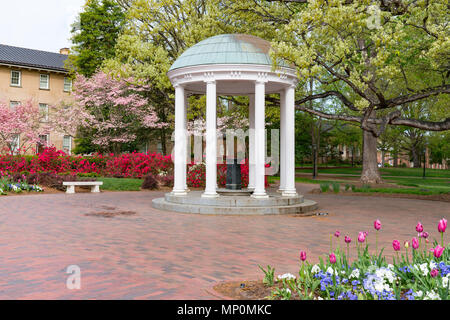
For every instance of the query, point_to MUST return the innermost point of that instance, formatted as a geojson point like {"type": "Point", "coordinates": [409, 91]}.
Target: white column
{"type": "Point", "coordinates": [187, 138]}
{"type": "Point", "coordinates": [260, 114]}
{"type": "Point", "coordinates": [179, 184]}
{"type": "Point", "coordinates": [290, 190]}
{"type": "Point", "coordinates": [251, 142]}
{"type": "Point", "coordinates": [282, 141]}
{"type": "Point", "coordinates": [211, 140]}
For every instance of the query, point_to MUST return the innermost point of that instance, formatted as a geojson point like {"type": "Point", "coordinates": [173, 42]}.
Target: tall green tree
{"type": "Point", "coordinates": [373, 57]}
{"type": "Point", "coordinates": [94, 35]}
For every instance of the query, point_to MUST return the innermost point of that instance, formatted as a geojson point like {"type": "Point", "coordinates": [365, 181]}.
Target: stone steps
{"type": "Point", "coordinates": [195, 198]}
{"type": "Point", "coordinates": [303, 208]}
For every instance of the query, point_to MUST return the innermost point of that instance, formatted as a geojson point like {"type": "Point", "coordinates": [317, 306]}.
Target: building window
{"type": "Point", "coordinates": [15, 144]}
{"type": "Point", "coordinates": [16, 78]}
{"type": "Point", "coordinates": [13, 105]}
{"type": "Point", "coordinates": [44, 81]}
{"type": "Point", "coordinates": [43, 142]}
{"type": "Point", "coordinates": [67, 84]}
{"type": "Point", "coordinates": [43, 111]}
{"type": "Point", "coordinates": [67, 144]}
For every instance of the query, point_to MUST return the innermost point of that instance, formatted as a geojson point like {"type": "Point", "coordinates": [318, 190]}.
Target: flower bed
{"type": "Point", "coordinates": [8, 184]}
{"type": "Point", "coordinates": [129, 165]}
{"type": "Point", "coordinates": [418, 273]}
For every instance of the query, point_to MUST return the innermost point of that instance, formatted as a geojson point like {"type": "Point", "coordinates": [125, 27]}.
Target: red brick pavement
{"type": "Point", "coordinates": [164, 255]}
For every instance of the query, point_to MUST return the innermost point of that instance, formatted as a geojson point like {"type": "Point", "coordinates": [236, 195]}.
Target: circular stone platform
{"type": "Point", "coordinates": [235, 205]}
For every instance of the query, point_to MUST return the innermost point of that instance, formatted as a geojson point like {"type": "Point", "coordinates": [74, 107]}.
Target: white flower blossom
{"type": "Point", "coordinates": [287, 276]}
{"type": "Point", "coordinates": [445, 281]}
{"type": "Point", "coordinates": [431, 295]}
{"type": "Point", "coordinates": [330, 270]}
{"type": "Point", "coordinates": [315, 269]}
{"type": "Point", "coordinates": [354, 274]}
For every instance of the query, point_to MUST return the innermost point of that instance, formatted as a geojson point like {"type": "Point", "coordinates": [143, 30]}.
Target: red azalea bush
{"type": "Point", "coordinates": [128, 165]}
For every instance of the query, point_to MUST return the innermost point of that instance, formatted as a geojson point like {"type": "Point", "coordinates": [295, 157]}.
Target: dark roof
{"type": "Point", "coordinates": [32, 58]}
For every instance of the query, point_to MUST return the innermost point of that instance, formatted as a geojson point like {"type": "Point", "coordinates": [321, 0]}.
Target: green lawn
{"type": "Point", "coordinates": [435, 183]}
{"type": "Point", "coordinates": [120, 184]}
{"type": "Point", "coordinates": [400, 172]}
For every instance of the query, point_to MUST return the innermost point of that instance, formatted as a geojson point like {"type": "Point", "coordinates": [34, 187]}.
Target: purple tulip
{"type": "Point", "coordinates": [419, 227]}
{"type": "Point", "coordinates": [438, 251]}
{"type": "Point", "coordinates": [377, 224]}
{"type": "Point", "coordinates": [434, 273]}
{"type": "Point", "coordinates": [415, 243]}
{"type": "Point", "coordinates": [332, 258]}
{"type": "Point", "coordinates": [396, 245]}
{"type": "Point", "coordinates": [442, 225]}
{"type": "Point", "coordinates": [425, 234]}
{"type": "Point", "coordinates": [361, 237]}
{"type": "Point", "coordinates": [347, 239]}
{"type": "Point", "coordinates": [302, 255]}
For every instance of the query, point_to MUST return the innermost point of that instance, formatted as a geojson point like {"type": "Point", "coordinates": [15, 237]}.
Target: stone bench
{"type": "Point", "coordinates": [95, 185]}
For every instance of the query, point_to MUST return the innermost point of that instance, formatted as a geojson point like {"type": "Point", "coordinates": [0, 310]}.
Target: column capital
{"type": "Point", "coordinates": [176, 84]}
{"type": "Point", "coordinates": [261, 77]}
{"type": "Point", "coordinates": [209, 77]}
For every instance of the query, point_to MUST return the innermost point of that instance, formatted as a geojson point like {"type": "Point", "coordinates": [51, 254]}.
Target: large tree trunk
{"type": "Point", "coordinates": [416, 157]}
{"type": "Point", "coordinates": [370, 172]}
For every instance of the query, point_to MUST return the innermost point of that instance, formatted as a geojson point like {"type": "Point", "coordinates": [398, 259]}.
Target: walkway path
{"type": "Point", "coordinates": [163, 255]}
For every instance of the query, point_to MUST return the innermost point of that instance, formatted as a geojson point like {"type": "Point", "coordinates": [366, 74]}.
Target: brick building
{"type": "Point", "coordinates": [39, 76]}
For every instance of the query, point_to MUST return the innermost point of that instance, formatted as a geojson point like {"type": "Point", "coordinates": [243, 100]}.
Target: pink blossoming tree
{"type": "Point", "coordinates": [20, 127]}
{"type": "Point", "coordinates": [115, 109]}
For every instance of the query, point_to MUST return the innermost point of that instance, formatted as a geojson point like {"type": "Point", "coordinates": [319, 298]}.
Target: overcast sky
{"type": "Point", "coordinates": [38, 24]}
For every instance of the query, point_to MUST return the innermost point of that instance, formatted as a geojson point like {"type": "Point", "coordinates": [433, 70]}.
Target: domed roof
{"type": "Point", "coordinates": [227, 49]}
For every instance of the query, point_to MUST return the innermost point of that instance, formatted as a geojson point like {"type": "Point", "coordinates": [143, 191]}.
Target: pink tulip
{"type": "Point", "coordinates": [415, 243]}
{"type": "Point", "coordinates": [377, 224]}
{"type": "Point", "coordinates": [438, 251]}
{"type": "Point", "coordinates": [361, 237]}
{"type": "Point", "coordinates": [419, 227]}
{"type": "Point", "coordinates": [332, 258]}
{"type": "Point", "coordinates": [347, 239]}
{"type": "Point", "coordinates": [337, 234]}
{"type": "Point", "coordinates": [442, 225]}
{"type": "Point", "coordinates": [396, 245]}
{"type": "Point", "coordinates": [425, 235]}
{"type": "Point", "coordinates": [302, 255]}
{"type": "Point", "coordinates": [434, 273]}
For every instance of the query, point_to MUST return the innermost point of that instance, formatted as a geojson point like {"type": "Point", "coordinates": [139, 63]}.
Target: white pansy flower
{"type": "Point", "coordinates": [431, 295]}
{"type": "Point", "coordinates": [424, 268]}
{"type": "Point", "coordinates": [287, 276]}
{"type": "Point", "coordinates": [433, 265]}
{"type": "Point", "coordinates": [445, 281]}
{"type": "Point", "coordinates": [330, 270]}
{"type": "Point", "coordinates": [354, 274]}
{"type": "Point", "coordinates": [315, 269]}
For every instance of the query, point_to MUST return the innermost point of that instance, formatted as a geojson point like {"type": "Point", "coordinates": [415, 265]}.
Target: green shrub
{"type": "Point", "coordinates": [269, 275]}
{"type": "Point", "coordinates": [353, 187]}
{"type": "Point", "coordinates": [347, 186]}
{"type": "Point", "coordinates": [324, 187]}
{"type": "Point", "coordinates": [336, 187]}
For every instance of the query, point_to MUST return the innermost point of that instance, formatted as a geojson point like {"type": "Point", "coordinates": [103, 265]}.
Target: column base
{"type": "Point", "coordinates": [251, 188]}
{"type": "Point", "coordinates": [281, 190]}
{"type": "Point", "coordinates": [210, 195]}
{"type": "Point", "coordinates": [260, 195]}
{"type": "Point", "coordinates": [179, 193]}
{"type": "Point", "coordinates": [289, 193]}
